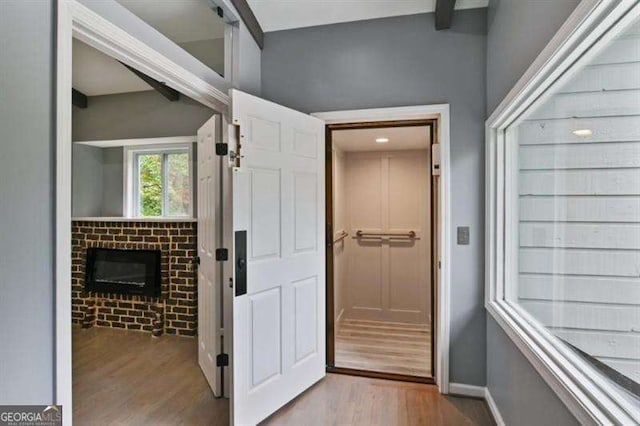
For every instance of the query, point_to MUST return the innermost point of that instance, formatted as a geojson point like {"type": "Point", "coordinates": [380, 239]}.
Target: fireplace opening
{"type": "Point", "coordinates": [118, 271]}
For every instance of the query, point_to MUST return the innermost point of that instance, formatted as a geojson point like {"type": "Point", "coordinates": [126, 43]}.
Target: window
{"type": "Point", "coordinates": [564, 214]}
{"type": "Point", "coordinates": [159, 182]}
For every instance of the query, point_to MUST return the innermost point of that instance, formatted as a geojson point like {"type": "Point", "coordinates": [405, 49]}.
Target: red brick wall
{"type": "Point", "coordinates": [174, 312]}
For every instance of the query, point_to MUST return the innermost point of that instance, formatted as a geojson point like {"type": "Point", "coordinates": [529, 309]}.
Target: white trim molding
{"type": "Point", "coordinates": [440, 112]}
{"type": "Point", "coordinates": [467, 390]}
{"type": "Point", "coordinates": [171, 140]}
{"type": "Point", "coordinates": [472, 391]}
{"type": "Point", "coordinates": [76, 20]}
{"type": "Point", "coordinates": [493, 407]}
{"type": "Point", "coordinates": [588, 395]}
{"type": "Point", "coordinates": [96, 31]}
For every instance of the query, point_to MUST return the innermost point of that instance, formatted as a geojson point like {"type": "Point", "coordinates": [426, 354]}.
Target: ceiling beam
{"type": "Point", "coordinates": [444, 14]}
{"type": "Point", "coordinates": [79, 99]}
{"type": "Point", "coordinates": [166, 91]}
{"type": "Point", "coordinates": [250, 20]}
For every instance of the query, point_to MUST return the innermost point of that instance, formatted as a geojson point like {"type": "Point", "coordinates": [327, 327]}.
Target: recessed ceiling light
{"type": "Point", "coordinates": [583, 133]}
{"type": "Point", "coordinates": [382, 140]}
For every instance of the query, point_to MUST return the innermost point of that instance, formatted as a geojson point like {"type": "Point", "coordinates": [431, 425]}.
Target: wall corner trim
{"type": "Point", "coordinates": [483, 392]}
{"type": "Point", "coordinates": [493, 407]}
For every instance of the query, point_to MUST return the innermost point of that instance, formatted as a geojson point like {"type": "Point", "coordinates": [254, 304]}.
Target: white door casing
{"type": "Point", "coordinates": [208, 172]}
{"type": "Point", "coordinates": [278, 199]}
{"type": "Point", "coordinates": [389, 277]}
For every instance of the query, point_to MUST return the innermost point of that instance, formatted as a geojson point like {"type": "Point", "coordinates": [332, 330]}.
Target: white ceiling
{"type": "Point", "coordinates": [400, 138]}
{"type": "Point", "coordinates": [180, 20]}
{"type": "Point", "coordinates": [274, 15]}
{"type": "Point", "coordinates": [95, 73]}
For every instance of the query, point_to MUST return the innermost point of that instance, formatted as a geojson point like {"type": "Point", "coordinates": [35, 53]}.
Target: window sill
{"type": "Point", "coordinates": [134, 219]}
{"type": "Point", "coordinates": [590, 397]}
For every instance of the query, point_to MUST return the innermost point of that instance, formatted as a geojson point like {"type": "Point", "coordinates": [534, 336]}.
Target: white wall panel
{"type": "Point", "coordinates": [586, 288]}
{"type": "Point", "coordinates": [580, 208]}
{"type": "Point", "coordinates": [580, 156]}
{"type": "Point", "coordinates": [580, 182]}
{"type": "Point", "coordinates": [580, 235]}
{"type": "Point", "coordinates": [559, 131]}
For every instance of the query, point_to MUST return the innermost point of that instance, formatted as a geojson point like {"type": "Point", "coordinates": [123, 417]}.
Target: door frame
{"type": "Point", "coordinates": [74, 20]}
{"type": "Point", "coordinates": [441, 315]}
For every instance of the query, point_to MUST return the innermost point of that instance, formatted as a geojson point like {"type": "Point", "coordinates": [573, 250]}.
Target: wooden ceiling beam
{"type": "Point", "coordinates": [444, 14]}
{"type": "Point", "coordinates": [250, 20]}
{"type": "Point", "coordinates": [79, 99]}
{"type": "Point", "coordinates": [166, 91]}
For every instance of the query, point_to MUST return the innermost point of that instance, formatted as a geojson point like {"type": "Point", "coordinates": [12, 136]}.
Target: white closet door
{"type": "Point", "coordinates": [208, 298]}
{"type": "Point", "coordinates": [388, 278]}
{"type": "Point", "coordinates": [278, 214]}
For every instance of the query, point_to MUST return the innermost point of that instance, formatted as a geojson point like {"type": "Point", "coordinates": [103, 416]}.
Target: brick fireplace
{"type": "Point", "coordinates": [173, 312]}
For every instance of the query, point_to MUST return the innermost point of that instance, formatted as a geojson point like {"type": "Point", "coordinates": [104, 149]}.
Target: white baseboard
{"type": "Point", "coordinates": [467, 390]}
{"type": "Point", "coordinates": [478, 392]}
{"type": "Point", "coordinates": [493, 408]}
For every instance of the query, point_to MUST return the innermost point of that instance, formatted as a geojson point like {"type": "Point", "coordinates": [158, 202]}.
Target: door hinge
{"type": "Point", "coordinates": [222, 148]}
{"type": "Point", "coordinates": [222, 360]}
{"type": "Point", "coordinates": [222, 254]}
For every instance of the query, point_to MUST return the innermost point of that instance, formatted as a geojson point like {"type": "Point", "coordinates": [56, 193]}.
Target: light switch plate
{"type": "Point", "coordinates": [463, 235]}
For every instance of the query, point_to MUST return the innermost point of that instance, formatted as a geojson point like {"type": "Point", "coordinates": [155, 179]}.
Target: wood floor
{"type": "Point", "coordinates": [348, 400]}
{"type": "Point", "coordinates": [129, 378]}
{"type": "Point", "coordinates": [385, 347]}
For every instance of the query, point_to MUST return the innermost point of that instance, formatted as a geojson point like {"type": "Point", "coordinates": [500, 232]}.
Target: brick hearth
{"type": "Point", "coordinates": [174, 312]}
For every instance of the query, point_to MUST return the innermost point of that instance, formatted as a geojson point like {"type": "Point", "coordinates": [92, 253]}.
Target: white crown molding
{"type": "Point", "coordinates": [112, 143]}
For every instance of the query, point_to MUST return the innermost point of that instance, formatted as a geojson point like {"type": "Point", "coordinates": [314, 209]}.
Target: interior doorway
{"type": "Point", "coordinates": [382, 239]}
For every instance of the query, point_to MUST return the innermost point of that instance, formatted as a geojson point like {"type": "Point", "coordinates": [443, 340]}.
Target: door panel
{"type": "Point", "coordinates": [278, 198]}
{"type": "Point", "coordinates": [208, 272]}
{"type": "Point", "coordinates": [388, 278]}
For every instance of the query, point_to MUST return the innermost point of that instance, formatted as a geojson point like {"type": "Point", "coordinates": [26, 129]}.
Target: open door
{"type": "Point", "coordinates": [279, 256]}
{"type": "Point", "coordinates": [208, 173]}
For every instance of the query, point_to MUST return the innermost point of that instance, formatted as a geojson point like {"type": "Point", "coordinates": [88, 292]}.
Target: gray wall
{"type": "Point", "coordinates": [26, 202]}
{"type": "Point", "coordinates": [522, 396]}
{"type": "Point", "coordinates": [518, 30]}
{"type": "Point", "coordinates": [138, 115]}
{"type": "Point", "coordinates": [87, 181]}
{"type": "Point", "coordinates": [97, 181]}
{"type": "Point", "coordinates": [112, 181]}
{"type": "Point", "coordinates": [396, 62]}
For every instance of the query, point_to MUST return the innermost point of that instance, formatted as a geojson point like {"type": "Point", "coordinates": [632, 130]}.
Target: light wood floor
{"type": "Point", "coordinates": [349, 400]}
{"type": "Point", "coordinates": [385, 347]}
{"type": "Point", "coordinates": [129, 378]}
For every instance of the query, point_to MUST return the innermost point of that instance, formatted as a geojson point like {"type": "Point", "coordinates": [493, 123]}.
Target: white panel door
{"type": "Point", "coordinates": [208, 272]}
{"type": "Point", "coordinates": [388, 277]}
{"type": "Point", "coordinates": [278, 199]}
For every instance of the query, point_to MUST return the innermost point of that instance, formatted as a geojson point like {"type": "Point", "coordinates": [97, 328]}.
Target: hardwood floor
{"type": "Point", "coordinates": [129, 378]}
{"type": "Point", "coordinates": [385, 347]}
{"type": "Point", "coordinates": [348, 400]}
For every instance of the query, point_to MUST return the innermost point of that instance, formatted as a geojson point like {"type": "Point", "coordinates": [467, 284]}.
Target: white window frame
{"type": "Point", "coordinates": [130, 169]}
{"type": "Point", "coordinates": [590, 397]}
